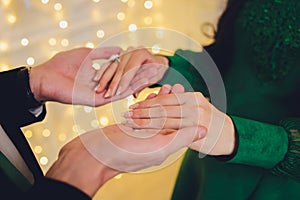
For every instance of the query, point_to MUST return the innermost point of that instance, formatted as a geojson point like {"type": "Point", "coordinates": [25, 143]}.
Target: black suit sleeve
{"type": "Point", "coordinates": [14, 107]}
{"type": "Point", "coordinates": [51, 189]}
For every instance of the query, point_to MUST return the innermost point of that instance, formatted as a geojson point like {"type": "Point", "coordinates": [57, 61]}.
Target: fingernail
{"type": "Point", "coordinates": [107, 94]}
{"type": "Point", "coordinates": [136, 105]}
{"type": "Point", "coordinates": [96, 88]}
{"type": "Point", "coordinates": [135, 95]}
{"type": "Point", "coordinates": [201, 132]}
{"type": "Point", "coordinates": [119, 91]}
{"type": "Point", "coordinates": [128, 114]}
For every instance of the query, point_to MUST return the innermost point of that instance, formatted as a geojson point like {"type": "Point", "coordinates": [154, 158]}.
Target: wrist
{"type": "Point", "coordinates": [35, 83]}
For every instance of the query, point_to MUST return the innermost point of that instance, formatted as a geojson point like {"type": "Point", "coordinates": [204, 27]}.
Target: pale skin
{"type": "Point", "coordinates": [178, 110]}
{"type": "Point", "coordinates": [76, 164]}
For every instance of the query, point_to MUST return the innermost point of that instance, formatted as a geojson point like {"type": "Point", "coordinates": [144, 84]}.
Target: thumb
{"type": "Point", "coordinates": [184, 137]}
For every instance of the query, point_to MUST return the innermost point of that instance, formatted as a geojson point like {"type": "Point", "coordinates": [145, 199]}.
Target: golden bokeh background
{"type": "Point", "coordinates": [32, 31]}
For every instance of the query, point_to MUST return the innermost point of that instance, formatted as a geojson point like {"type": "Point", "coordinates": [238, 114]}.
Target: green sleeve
{"type": "Point", "coordinates": [183, 70]}
{"type": "Point", "coordinates": [259, 144]}
{"type": "Point", "coordinates": [276, 148]}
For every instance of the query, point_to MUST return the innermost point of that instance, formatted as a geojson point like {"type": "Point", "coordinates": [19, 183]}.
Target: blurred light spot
{"type": "Point", "coordinates": [24, 41]}
{"type": "Point", "coordinates": [90, 45]}
{"type": "Point", "coordinates": [38, 149]}
{"type": "Point", "coordinates": [63, 24]}
{"type": "Point", "coordinates": [100, 33]}
{"type": "Point", "coordinates": [62, 137]}
{"type": "Point", "coordinates": [87, 109]}
{"type": "Point", "coordinates": [57, 6]}
{"type": "Point", "coordinates": [75, 128]}
{"type": "Point", "coordinates": [52, 41]}
{"type": "Point", "coordinates": [3, 46]}
{"type": "Point", "coordinates": [46, 133]}
{"type": "Point", "coordinates": [121, 16]}
{"type": "Point", "coordinates": [6, 2]}
{"type": "Point", "coordinates": [103, 121]}
{"type": "Point", "coordinates": [132, 27]}
{"type": "Point", "coordinates": [45, 1]}
{"type": "Point", "coordinates": [64, 42]}
{"type": "Point", "coordinates": [148, 4]}
{"type": "Point", "coordinates": [11, 19]}
{"type": "Point", "coordinates": [30, 61]}
{"type": "Point", "coordinates": [28, 134]}
{"type": "Point", "coordinates": [44, 160]}
{"type": "Point", "coordinates": [124, 1]}
{"type": "Point", "coordinates": [155, 49]}
{"type": "Point", "coordinates": [96, 1]}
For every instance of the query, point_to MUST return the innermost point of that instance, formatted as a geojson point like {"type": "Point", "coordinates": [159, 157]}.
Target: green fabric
{"type": "Point", "coordinates": [262, 90]}
{"type": "Point", "coordinates": [13, 173]}
{"type": "Point", "coordinates": [259, 144]}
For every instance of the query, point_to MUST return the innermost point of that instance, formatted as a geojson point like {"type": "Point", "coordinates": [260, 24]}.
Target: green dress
{"type": "Point", "coordinates": [263, 94]}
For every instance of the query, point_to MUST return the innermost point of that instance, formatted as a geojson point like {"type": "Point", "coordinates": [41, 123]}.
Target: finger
{"type": "Point", "coordinates": [158, 123]}
{"type": "Point", "coordinates": [158, 112]}
{"type": "Point", "coordinates": [137, 59]}
{"type": "Point", "coordinates": [183, 138]}
{"type": "Point", "coordinates": [160, 100]}
{"type": "Point", "coordinates": [146, 70]}
{"type": "Point", "coordinates": [165, 89]}
{"type": "Point", "coordinates": [104, 52]}
{"type": "Point", "coordinates": [191, 98]}
{"type": "Point", "coordinates": [115, 85]}
{"type": "Point", "coordinates": [107, 76]}
{"type": "Point", "coordinates": [98, 75]}
{"type": "Point", "coordinates": [177, 88]}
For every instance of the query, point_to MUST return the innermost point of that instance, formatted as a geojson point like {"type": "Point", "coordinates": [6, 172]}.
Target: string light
{"type": "Point", "coordinates": [57, 6]}
{"type": "Point", "coordinates": [3, 46]}
{"type": "Point", "coordinates": [30, 61]}
{"type": "Point", "coordinates": [64, 42]}
{"type": "Point", "coordinates": [104, 121]}
{"type": "Point", "coordinates": [121, 16]}
{"type": "Point", "coordinates": [46, 133]}
{"type": "Point", "coordinates": [155, 49]}
{"type": "Point", "coordinates": [148, 4]}
{"type": "Point", "coordinates": [45, 1]}
{"type": "Point", "coordinates": [44, 160]}
{"type": "Point", "coordinates": [89, 45]}
{"type": "Point", "coordinates": [11, 19]}
{"type": "Point", "coordinates": [28, 134]}
{"type": "Point", "coordinates": [132, 27]}
{"type": "Point", "coordinates": [6, 2]}
{"type": "Point", "coordinates": [96, 1]}
{"type": "Point", "coordinates": [100, 34]}
{"type": "Point", "coordinates": [38, 149]}
{"type": "Point", "coordinates": [52, 41]}
{"type": "Point", "coordinates": [87, 109]}
{"type": "Point", "coordinates": [63, 24]}
{"type": "Point", "coordinates": [24, 41]}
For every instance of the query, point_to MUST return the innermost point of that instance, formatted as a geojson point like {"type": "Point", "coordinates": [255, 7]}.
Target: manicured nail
{"type": "Point", "coordinates": [136, 105]}
{"type": "Point", "coordinates": [201, 132]}
{"type": "Point", "coordinates": [97, 87]}
{"type": "Point", "coordinates": [107, 94]}
{"type": "Point", "coordinates": [135, 95]}
{"type": "Point", "coordinates": [119, 90]}
{"type": "Point", "coordinates": [128, 114]}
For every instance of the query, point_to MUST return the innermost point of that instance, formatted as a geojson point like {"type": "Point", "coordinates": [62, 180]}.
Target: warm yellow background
{"type": "Point", "coordinates": [33, 30]}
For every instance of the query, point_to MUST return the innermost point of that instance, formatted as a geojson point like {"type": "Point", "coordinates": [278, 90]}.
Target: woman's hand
{"type": "Point", "coordinates": [174, 111]}
{"type": "Point", "coordinates": [68, 77]}
{"type": "Point", "coordinates": [135, 69]}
